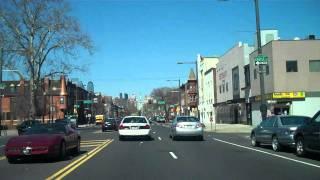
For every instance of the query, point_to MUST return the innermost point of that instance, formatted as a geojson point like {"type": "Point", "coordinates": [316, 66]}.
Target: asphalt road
{"type": "Point", "coordinates": [219, 156]}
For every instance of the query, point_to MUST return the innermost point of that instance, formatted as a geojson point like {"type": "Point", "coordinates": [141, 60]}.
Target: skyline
{"type": "Point", "coordinates": [140, 42]}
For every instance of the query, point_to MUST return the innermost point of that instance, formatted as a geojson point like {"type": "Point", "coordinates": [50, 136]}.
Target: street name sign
{"type": "Point", "coordinates": [261, 59]}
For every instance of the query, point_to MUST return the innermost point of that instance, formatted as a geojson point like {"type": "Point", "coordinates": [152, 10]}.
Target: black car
{"type": "Point", "coordinates": [277, 131]}
{"type": "Point", "coordinates": [25, 125]}
{"type": "Point", "coordinates": [109, 124]}
{"type": "Point", "coordinates": [307, 137]}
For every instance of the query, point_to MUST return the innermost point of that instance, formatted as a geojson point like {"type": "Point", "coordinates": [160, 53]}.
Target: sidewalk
{"type": "Point", "coordinates": [228, 128]}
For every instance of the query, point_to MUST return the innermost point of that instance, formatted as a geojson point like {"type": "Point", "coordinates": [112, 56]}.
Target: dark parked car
{"type": "Point", "coordinates": [67, 121]}
{"type": "Point", "coordinates": [307, 137]}
{"type": "Point", "coordinates": [51, 140]}
{"type": "Point", "coordinates": [25, 125]}
{"type": "Point", "coordinates": [278, 131]}
{"type": "Point", "coordinates": [109, 124]}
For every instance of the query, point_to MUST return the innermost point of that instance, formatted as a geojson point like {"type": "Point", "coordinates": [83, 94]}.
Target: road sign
{"type": "Point", "coordinates": [261, 59]}
{"type": "Point", "coordinates": [87, 102]}
{"type": "Point", "coordinates": [2, 85]}
{"type": "Point", "coordinates": [161, 102]}
{"type": "Point", "coordinates": [76, 106]}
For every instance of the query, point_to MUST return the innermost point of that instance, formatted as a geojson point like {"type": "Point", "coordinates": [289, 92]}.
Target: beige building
{"type": "Point", "coordinates": [292, 78]}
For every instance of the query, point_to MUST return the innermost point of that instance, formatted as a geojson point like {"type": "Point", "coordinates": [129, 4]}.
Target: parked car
{"type": "Point", "coordinates": [277, 131]}
{"type": "Point", "coordinates": [186, 126]}
{"type": "Point", "coordinates": [161, 119]}
{"type": "Point", "coordinates": [52, 140]}
{"type": "Point", "coordinates": [134, 126]}
{"type": "Point", "coordinates": [307, 137]}
{"type": "Point", "coordinates": [67, 121]}
{"type": "Point", "coordinates": [109, 124]}
{"type": "Point", "coordinates": [25, 125]}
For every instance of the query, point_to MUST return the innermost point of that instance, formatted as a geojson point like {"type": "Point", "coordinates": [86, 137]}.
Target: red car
{"type": "Point", "coordinates": [52, 140]}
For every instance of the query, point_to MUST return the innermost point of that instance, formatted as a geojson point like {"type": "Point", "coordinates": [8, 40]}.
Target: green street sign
{"type": "Point", "coordinates": [87, 102]}
{"type": "Point", "coordinates": [161, 102]}
{"type": "Point", "coordinates": [76, 106]}
{"type": "Point", "coordinates": [2, 86]}
{"type": "Point", "coordinates": [261, 59]}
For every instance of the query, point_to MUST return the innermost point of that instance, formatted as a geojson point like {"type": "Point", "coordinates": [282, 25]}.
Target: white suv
{"type": "Point", "coordinates": [134, 126]}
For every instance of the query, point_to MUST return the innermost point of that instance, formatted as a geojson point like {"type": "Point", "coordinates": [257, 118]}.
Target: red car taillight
{"type": "Point", "coordinates": [121, 126]}
{"type": "Point", "coordinates": [145, 127]}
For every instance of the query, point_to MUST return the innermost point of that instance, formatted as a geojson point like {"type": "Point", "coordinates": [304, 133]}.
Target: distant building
{"type": "Point", "coordinates": [206, 83]}
{"type": "Point", "coordinates": [90, 87]}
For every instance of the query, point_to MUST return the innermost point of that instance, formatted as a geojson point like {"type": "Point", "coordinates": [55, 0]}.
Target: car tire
{"type": "Point", "coordinates": [174, 138]}
{"type": "Point", "coordinates": [63, 151]}
{"type": "Point", "coordinates": [276, 146]}
{"type": "Point", "coordinates": [300, 147]}
{"type": "Point", "coordinates": [254, 141]}
{"type": "Point", "coordinates": [121, 138]}
{"type": "Point", "coordinates": [76, 150]}
{"type": "Point", "coordinates": [11, 160]}
{"type": "Point", "coordinates": [200, 138]}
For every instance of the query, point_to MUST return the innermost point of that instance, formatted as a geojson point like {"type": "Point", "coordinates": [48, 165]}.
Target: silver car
{"type": "Point", "coordinates": [186, 126]}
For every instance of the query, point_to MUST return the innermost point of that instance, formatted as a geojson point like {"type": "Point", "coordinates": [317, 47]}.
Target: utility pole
{"type": "Point", "coordinates": [263, 106]}
{"type": "Point", "coordinates": [1, 62]}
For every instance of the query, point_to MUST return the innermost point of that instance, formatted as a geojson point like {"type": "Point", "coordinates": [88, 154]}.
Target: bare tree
{"type": "Point", "coordinates": [45, 38]}
{"type": "Point", "coordinates": [166, 94]}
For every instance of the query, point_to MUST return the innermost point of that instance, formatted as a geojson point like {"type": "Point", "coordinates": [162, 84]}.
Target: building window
{"type": "Point", "coordinates": [255, 73]}
{"type": "Point", "coordinates": [267, 69]}
{"type": "Point", "coordinates": [247, 75]}
{"type": "Point", "coordinates": [220, 89]}
{"type": "Point", "coordinates": [292, 66]}
{"type": "Point", "coordinates": [314, 65]}
{"type": "Point", "coordinates": [227, 87]}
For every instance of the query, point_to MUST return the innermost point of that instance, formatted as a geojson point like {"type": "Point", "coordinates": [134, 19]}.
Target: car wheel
{"type": "Point", "coordinates": [63, 151]}
{"type": "Point", "coordinates": [300, 148]}
{"type": "Point", "coordinates": [76, 150]}
{"type": "Point", "coordinates": [275, 144]}
{"type": "Point", "coordinates": [254, 141]}
{"type": "Point", "coordinates": [200, 138]}
{"type": "Point", "coordinates": [120, 138]}
{"type": "Point", "coordinates": [11, 160]}
{"type": "Point", "coordinates": [174, 138]}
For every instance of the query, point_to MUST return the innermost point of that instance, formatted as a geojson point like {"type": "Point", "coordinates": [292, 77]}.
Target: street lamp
{"type": "Point", "coordinates": [178, 80]}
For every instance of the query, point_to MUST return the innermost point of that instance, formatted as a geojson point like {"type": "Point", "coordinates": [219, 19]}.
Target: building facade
{"type": "Point", "coordinates": [206, 82]}
{"type": "Point", "coordinates": [231, 105]}
{"type": "Point", "coordinates": [291, 78]}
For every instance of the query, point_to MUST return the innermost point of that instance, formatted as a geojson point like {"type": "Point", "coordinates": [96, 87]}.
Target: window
{"type": "Point", "coordinates": [220, 89]}
{"type": "Point", "coordinates": [247, 75]}
{"type": "Point", "coordinates": [292, 66]}
{"type": "Point", "coordinates": [267, 69]}
{"type": "Point", "coordinates": [255, 73]}
{"type": "Point", "coordinates": [314, 65]}
{"type": "Point", "coordinates": [226, 87]}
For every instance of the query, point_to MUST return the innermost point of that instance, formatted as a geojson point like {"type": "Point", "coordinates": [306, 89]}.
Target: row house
{"type": "Point", "coordinates": [55, 98]}
{"type": "Point", "coordinates": [189, 97]}
{"type": "Point", "coordinates": [207, 82]}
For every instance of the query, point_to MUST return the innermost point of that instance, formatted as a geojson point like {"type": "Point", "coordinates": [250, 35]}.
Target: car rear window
{"type": "Point", "coordinates": [110, 120]}
{"type": "Point", "coordinates": [187, 119]}
{"type": "Point", "coordinates": [293, 120]}
{"type": "Point", "coordinates": [134, 120]}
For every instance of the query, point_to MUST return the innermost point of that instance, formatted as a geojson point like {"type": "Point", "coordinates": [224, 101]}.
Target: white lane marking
{"type": "Point", "coordinates": [159, 138]}
{"type": "Point", "coordinates": [173, 155]}
{"type": "Point", "coordinates": [271, 154]}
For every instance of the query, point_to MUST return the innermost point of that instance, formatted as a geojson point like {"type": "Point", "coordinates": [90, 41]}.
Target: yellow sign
{"type": "Point", "coordinates": [288, 95]}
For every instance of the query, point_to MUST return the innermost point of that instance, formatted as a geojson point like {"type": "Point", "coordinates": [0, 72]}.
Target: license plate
{"type": "Point", "coordinates": [134, 127]}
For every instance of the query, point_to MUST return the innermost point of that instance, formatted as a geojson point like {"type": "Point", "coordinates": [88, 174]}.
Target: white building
{"type": "Point", "coordinates": [206, 82]}
{"type": "Point", "coordinates": [231, 97]}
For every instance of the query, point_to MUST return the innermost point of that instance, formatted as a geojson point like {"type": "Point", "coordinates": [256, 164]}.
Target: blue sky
{"type": "Point", "coordinates": [138, 43]}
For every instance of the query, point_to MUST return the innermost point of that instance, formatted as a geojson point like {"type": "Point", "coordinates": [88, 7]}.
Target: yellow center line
{"type": "Point", "coordinates": [79, 164]}
{"type": "Point", "coordinates": [93, 141]}
{"type": "Point", "coordinates": [83, 158]}
{"type": "Point", "coordinates": [90, 145]}
{"type": "Point", "coordinates": [2, 158]}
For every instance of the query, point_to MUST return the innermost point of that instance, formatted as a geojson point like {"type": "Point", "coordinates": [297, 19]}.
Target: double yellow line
{"type": "Point", "coordinates": [2, 158]}
{"type": "Point", "coordinates": [72, 166]}
{"type": "Point", "coordinates": [92, 143]}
